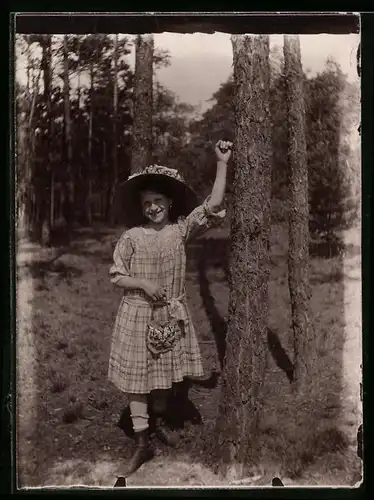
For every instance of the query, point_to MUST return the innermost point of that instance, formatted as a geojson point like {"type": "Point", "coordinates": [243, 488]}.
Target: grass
{"type": "Point", "coordinates": [68, 412]}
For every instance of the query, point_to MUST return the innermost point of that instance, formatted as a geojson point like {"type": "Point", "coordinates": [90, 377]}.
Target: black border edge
{"type": "Point", "coordinates": [189, 22]}
{"type": "Point", "coordinates": [7, 481]}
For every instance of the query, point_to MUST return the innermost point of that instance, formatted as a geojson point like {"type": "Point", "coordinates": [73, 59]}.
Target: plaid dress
{"type": "Point", "coordinates": [159, 257]}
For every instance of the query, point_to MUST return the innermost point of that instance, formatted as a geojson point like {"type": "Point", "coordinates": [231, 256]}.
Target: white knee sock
{"type": "Point", "coordinates": [139, 411]}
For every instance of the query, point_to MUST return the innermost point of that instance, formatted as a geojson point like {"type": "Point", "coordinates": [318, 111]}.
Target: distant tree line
{"type": "Point", "coordinates": [75, 111]}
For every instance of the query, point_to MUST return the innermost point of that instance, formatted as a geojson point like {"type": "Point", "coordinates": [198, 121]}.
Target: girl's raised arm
{"type": "Point", "coordinates": [205, 216]}
{"type": "Point", "coordinates": [223, 153]}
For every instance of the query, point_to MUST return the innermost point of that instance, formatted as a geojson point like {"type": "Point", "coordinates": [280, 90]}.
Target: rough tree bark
{"type": "Point", "coordinates": [298, 256]}
{"type": "Point", "coordinates": [142, 126]}
{"type": "Point", "coordinates": [245, 360]}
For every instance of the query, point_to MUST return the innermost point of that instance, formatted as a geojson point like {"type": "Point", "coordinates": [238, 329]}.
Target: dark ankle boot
{"type": "Point", "coordinates": [164, 434]}
{"type": "Point", "coordinates": [143, 451]}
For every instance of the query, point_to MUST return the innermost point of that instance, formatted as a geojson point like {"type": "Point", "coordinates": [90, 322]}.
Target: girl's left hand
{"type": "Point", "coordinates": [223, 150]}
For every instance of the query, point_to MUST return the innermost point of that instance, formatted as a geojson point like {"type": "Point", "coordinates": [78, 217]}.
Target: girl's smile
{"type": "Point", "coordinates": [155, 207]}
{"type": "Point", "coordinates": [156, 215]}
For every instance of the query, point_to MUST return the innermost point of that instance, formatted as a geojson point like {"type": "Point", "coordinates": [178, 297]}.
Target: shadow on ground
{"type": "Point", "coordinates": [78, 416]}
{"type": "Point", "coordinates": [286, 433]}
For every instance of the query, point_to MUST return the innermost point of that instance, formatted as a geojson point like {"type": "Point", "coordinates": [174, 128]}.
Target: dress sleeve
{"type": "Point", "coordinates": [199, 220]}
{"type": "Point", "coordinates": [123, 251]}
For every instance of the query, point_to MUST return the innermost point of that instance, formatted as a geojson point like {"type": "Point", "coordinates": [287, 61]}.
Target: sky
{"type": "Point", "coordinates": [201, 62]}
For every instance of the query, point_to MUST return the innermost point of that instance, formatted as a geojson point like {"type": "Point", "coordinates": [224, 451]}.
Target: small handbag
{"type": "Point", "coordinates": [162, 336]}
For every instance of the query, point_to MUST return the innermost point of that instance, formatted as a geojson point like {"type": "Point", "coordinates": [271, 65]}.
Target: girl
{"type": "Point", "coordinates": [154, 343]}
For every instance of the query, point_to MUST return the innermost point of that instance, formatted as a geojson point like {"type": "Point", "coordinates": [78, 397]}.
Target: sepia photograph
{"type": "Point", "coordinates": [188, 260]}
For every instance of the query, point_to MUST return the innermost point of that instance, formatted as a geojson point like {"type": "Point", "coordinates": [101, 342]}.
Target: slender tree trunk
{"type": "Point", "coordinates": [241, 398]}
{"type": "Point", "coordinates": [298, 257]}
{"type": "Point", "coordinates": [69, 182]}
{"type": "Point", "coordinates": [27, 158]}
{"type": "Point", "coordinates": [30, 187]}
{"type": "Point", "coordinates": [114, 183]}
{"type": "Point", "coordinates": [23, 141]}
{"type": "Point", "coordinates": [44, 196]}
{"type": "Point", "coordinates": [68, 125]}
{"type": "Point", "coordinates": [79, 90]}
{"type": "Point", "coordinates": [143, 102]}
{"type": "Point", "coordinates": [80, 180]}
{"type": "Point", "coordinates": [22, 155]}
{"type": "Point", "coordinates": [89, 170]}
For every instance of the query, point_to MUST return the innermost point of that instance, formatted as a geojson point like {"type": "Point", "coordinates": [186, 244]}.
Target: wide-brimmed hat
{"type": "Point", "coordinates": [184, 199]}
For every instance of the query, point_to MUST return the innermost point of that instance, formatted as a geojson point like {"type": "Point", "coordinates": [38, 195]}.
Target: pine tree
{"type": "Point", "coordinates": [298, 256]}
{"type": "Point", "coordinates": [244, 368]}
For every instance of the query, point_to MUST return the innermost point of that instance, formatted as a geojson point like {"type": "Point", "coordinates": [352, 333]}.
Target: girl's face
{"type": "Point", "coordinates": [155, 207]}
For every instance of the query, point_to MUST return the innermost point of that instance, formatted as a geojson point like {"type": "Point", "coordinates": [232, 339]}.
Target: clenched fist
{"type": "Point", "coordinates": [223, 150]}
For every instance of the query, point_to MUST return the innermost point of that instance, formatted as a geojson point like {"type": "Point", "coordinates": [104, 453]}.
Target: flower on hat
{"type": "Point", "coordinates": [158, 169]}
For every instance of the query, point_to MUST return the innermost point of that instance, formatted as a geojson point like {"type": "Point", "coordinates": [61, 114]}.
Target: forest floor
{"type": "Point", "coordinates": [67, 411]}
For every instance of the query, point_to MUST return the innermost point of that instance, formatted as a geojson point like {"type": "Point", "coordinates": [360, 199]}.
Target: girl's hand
{"type": "Point", "coordinates": [153, 291]}
{"type": "Point", "coordinates": [223, 150]}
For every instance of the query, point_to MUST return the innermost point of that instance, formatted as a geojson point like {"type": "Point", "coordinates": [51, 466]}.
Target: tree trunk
{"type": "Point", "coordinates": [25, 186]}
{"type": "Point", "coordinates": [79, 71]}
{"type": "Point", "coordinates": [31, 155]}
{"type": "Point", "coordinates": [22, 167]}
{"type": "Point", "coordinates": [23, 142]}
{"type": "Point", "coordinates": [143, 102]}
{"type": "Point", "coordinates": [69, 183]}
{"type": "Point", "coordinates": [80, 192]}
{"type": "Point", "coordinates": [240, 403]}
{"type": "Point", "coordinates": [298, 257]}
{"type": "Point", "coordinates": [44, 196]}
{"type": "Point", "coordinates": [114, 183]}
{"type": "Point", "coordinates": [89, 170]}
{"type": "Point", "coordinates": [67, 114]}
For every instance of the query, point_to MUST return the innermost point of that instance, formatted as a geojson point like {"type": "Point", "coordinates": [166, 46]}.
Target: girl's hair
{"type": "Point", "coordinates": [156, 186]}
